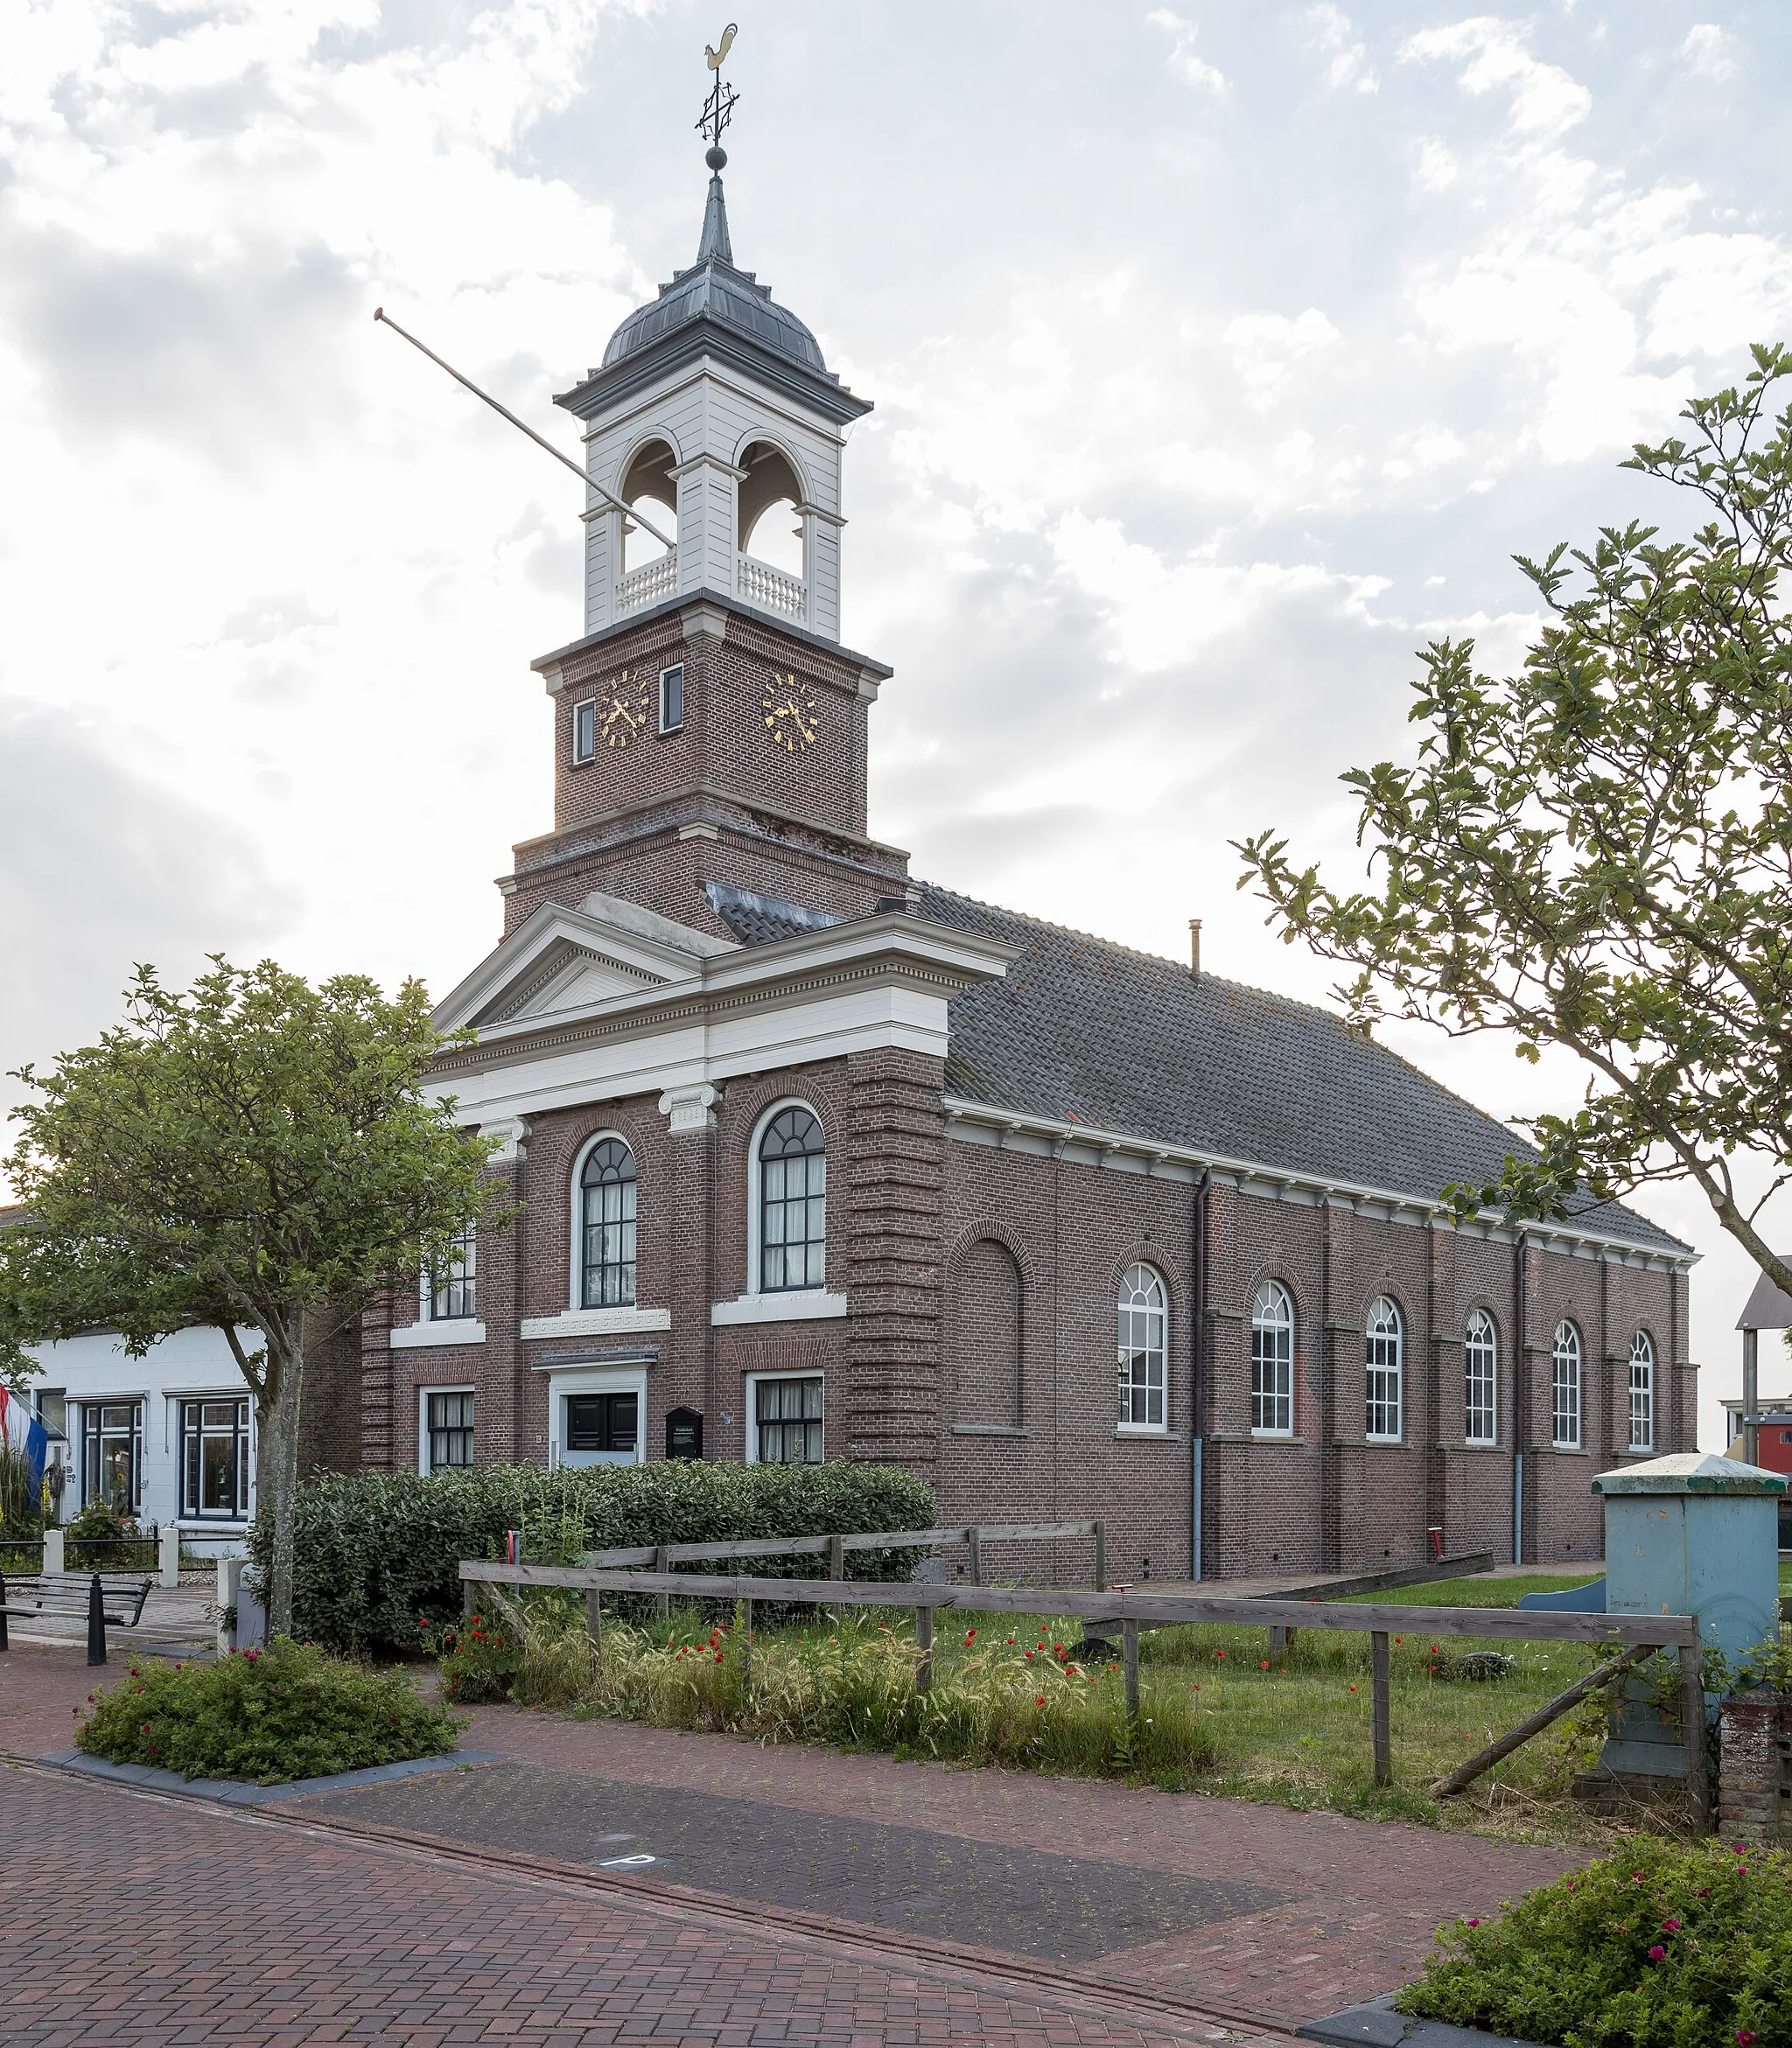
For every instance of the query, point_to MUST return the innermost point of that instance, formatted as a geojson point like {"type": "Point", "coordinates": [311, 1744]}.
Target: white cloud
{"type": "Point", "coordinates": [1710, 51]}
{"type": "Point", "coordinates": [1182, 58]}
{"type": "Point", "coordinates": [1330, 31]}
{"type": "Point", "coordinates": [1544, 101]}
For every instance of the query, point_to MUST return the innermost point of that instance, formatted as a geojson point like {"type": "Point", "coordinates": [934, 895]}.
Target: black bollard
{"type": "Point", "coordinates": [97, 1622]}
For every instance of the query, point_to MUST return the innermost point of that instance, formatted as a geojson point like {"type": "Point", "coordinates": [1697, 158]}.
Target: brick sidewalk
{"type": "Point", "coordinates": [1367, 1896]}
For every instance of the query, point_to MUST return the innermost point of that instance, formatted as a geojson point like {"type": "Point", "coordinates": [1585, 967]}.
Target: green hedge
{"type": "Point", "coordinates": [376, 1551]}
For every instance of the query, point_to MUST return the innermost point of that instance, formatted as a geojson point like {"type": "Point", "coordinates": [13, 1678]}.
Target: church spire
{"type": "Point", "coordinates": [714, 246]}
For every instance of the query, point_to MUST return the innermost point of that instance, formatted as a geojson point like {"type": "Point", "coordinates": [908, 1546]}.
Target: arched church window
{"type": "Point", "coordinates": [792, 1202]}
{"type": "Point", "coordinates": [1143, 1331]}
{"type": "Point", "coordinates": [770, 527]}
{"type": "Point", "coordinates": [1272, 1361]}
{"type": "Point", "coordinates": [1384, 1362]}
{"type": "Point", "coordinates": [1565, 1387]}
{"type": "Point", "coordinates": [1480, 1365]}
{"type": "Point", "coordinates": [1642, 1392]}
{"type": "Point", "coordinates": [607, 1192]}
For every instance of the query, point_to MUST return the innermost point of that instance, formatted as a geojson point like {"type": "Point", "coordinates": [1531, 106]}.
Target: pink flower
{"type": "Point", "coordinates": [1670, 1927]}
{"type": "Point", "coordinates": [1471, 1922]}
{"type": "Point", "coordinates": [1745, 2036]}
{"type": "Point", "coordinates": [1656, 1952]}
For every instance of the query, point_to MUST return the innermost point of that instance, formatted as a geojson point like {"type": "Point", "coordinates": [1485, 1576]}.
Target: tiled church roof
{"type": "Point", "coordinates": [1085, 1031]}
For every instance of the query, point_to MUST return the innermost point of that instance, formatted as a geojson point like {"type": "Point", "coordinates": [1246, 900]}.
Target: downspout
{"type": "Point", "coordinates": [1197, 1359]}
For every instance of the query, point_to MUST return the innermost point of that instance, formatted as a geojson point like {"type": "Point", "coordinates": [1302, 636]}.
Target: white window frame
{"type": "Point", "coordinates": [1567, 1355]}
{"type": "Point", "coordinates": [665, 674]}
{"type": "Point", "coordinates": [1158, 1385]}
{"type": "Point", "coordinates": [562, 1381]}
{"type": "Point", "coordinates": [1481, 1336]}
{"type": "Point", "coordinates": [755, 1220]}
{"type": "Point", "coordinates": [1380, 1369]}
{"type": "Point", "coordinates": [469, 1277]}
{"type": "Point", "coordinates": [585, 732]}
{"type": "Point", "coordinates": [1278, 1399]}
{"type": "Point", "coordinates": [751, 1397]}
{"type": "Point", "coordinates": [575, 1263]}
{"type": "Point", "coordinates": [424, 1468]}
{"type": "Point", "coordinates": [1642, 1393]}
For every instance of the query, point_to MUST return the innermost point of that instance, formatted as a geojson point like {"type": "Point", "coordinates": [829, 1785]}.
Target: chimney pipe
{"type": "Point", "coordinates": [1194, 948]}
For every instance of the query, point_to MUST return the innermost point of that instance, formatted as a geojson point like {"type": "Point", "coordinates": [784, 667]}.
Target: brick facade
{"type": "Point", "coordinates": [967, 1327]}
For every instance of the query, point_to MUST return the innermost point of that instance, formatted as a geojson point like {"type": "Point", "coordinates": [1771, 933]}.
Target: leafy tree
{"type": "Point", "coordinates": [254, 1154]}
{"type": "Point", "coordinates": [1597, 852]}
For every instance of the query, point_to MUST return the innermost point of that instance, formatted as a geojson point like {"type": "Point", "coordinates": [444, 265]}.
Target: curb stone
{"type": "Point", "coordinates": [1376, 2024]}
{"type": "Point", "coordinates": [233, 1793]}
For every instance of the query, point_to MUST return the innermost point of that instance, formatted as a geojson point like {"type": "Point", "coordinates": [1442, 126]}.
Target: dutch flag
{"type": "Point", "coordinates": [21, 1430]}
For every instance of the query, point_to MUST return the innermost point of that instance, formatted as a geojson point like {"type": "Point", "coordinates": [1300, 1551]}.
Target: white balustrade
{"type": "Point", "coordinates": [771, 589]}
{"type": "Point", "coordinates": [648, 585]}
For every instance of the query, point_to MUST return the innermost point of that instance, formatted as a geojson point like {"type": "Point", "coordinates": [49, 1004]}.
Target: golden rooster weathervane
{"type": "Point", "coordinates": [718, 108]}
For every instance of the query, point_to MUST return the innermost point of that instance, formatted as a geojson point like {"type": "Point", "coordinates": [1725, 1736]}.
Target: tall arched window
{"type": "Point", "coordinates": [1642, 1392]}
{"type": "Point", "coordinates": [606, 1226]}
{"type": "Point", "coordinates": [1272, 1361]}
{"type": "Point", "coordinates": [1383, 1347]}
{"type": "Point", "coordinates": [1480, 1379]}
{"type": "Point", "coordinates": [792, 1202]}
{"type": "Point", "coordinates": [1565, 1388]}
{"type": "Point", "coordinates": [1144, 1319]}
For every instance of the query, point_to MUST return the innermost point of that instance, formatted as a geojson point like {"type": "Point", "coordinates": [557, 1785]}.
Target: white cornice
{"type": "Point", "coordinates": [1121, 1149]}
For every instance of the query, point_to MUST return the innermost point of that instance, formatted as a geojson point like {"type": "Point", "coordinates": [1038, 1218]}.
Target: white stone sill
{"type": "Point", "coordinates": [449, 1330]}
{"type": "Point", "coordinates": [812, 1304]}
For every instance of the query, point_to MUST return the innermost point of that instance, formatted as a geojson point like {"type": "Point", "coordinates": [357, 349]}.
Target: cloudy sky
{"type": "Point", "coordinates": [1222, 355]}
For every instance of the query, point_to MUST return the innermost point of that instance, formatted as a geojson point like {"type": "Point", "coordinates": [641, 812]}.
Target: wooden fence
{"type": "Point", "coordinates": [1134, 1608]}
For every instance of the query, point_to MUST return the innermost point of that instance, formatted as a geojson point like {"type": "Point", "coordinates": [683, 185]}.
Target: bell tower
{"type": "Point", "coordinates": [711, 729]}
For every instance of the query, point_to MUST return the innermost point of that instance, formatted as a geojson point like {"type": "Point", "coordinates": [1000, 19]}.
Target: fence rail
{"type": "Point", "coordinates": [974, 1534]}
{"type": "Point", "coordinates": [1132, 1609]}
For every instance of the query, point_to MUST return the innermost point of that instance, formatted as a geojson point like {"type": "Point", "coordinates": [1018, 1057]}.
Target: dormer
{"type": "Point", "coordinates": [714, 413]}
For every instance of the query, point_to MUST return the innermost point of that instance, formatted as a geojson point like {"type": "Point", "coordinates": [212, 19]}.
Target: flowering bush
{"type": "Point", "coordinates": [478, 1656]}
{"type": "Point", "coordinates": [1663, 1945]}
{"type": "Point", "coordinates": [268, 1715]}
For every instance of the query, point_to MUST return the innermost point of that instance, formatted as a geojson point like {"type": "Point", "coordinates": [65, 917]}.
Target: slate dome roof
{"type": "Point", "coordinates": [713, 288]}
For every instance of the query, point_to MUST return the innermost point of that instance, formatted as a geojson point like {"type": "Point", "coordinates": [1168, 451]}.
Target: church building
{"type": "Point", "coordinates": [814, 1159]}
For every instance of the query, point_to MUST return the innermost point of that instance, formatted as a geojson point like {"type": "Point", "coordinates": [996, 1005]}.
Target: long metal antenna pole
{"type": "Point", "coordinates": [628, 512]}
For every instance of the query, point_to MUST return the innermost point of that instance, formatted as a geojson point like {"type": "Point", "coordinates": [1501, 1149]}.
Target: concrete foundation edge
{"type": "Point", "coordinates": [228, 1793]}
{"type": "Point", "coordinates": [1377, 2025]}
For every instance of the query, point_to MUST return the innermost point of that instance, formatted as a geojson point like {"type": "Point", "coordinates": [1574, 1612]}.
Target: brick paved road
{"type": "Point", "coordinates": [1005, 1897]}
{"type": "Point", "coordinates": [128, 1919]}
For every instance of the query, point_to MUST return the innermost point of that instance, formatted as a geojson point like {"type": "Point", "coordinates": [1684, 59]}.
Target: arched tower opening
{"type": "Point", "coordinates": [770, 526]}
{"type": "Point", "coordinates": [646, 483]}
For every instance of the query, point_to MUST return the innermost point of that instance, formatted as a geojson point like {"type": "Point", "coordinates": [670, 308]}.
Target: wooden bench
{"type": "Point", "coordinates": [105, 1599]}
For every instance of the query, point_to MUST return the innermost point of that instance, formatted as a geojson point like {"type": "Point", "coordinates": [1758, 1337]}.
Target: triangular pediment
{"type": "Point", "coordinates": [561, 962]}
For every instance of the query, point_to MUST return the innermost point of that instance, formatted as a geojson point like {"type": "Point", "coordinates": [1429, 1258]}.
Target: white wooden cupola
{"type": "Point", "coordinates": [714, 411]}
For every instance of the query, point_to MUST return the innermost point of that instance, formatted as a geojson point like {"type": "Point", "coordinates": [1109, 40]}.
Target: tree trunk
{"type": "Point", "coordinates": [276, 1464]}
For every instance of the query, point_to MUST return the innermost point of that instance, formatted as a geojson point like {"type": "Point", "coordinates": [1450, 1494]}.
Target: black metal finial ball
{"type": "Point", "coordinates": [718, 156]}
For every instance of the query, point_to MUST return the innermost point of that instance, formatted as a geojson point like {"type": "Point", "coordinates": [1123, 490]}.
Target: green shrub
{"type": "Point", "coordinates": [1006, 1698]}
{"type": "Point", "coordinates": [103, 1540]}
{"type": "Point", "coordinates": [266, 1715]}
{"type": "Point", "coordinates": [1664, 1944]}
{"type": "Point", "coordinates": [377, 1551]}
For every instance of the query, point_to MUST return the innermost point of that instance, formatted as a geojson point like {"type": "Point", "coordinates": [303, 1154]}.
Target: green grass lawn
{"type": "Point", "coordinates": [1295, 1729]}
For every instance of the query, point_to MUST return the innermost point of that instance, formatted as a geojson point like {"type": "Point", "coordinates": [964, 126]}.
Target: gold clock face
{"type": "Point", "coordinates": [622, 710]}
{"type": "Point", "coordinates": [790, 710]}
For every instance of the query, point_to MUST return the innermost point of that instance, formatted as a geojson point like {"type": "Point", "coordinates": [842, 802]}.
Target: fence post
{"type": "Point", "coordinates": [96, 1621]}
{"type": "Point", "coordinates": [836, 1557]}
{"type": "Point", "coordinates": [1278, 1642]}
{"type": "Point", "coordinates": [55, 1558]}
{"type": "Point", "coordinates": [974, 1538]}
{"type": "Point", "coordinates": [1383, 1741]}
{"type": "Point", "coordinates": [924, 1643]}
{"type": "Point", "coordinates": [171, 1559]}
{"type": "Point", "coordinates": [662, 1562]}
{"type": "Point", "coordinates": [594, 1618]}
{"type": "Point", "coordinates": [469, 1601]}
{"type": "Point", "coordinates": [1692, 1736]}
{"type": "Point", "coordinates": [1101, 1557]}
{"type": "Point", "coordinates": [1129, 1664]}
